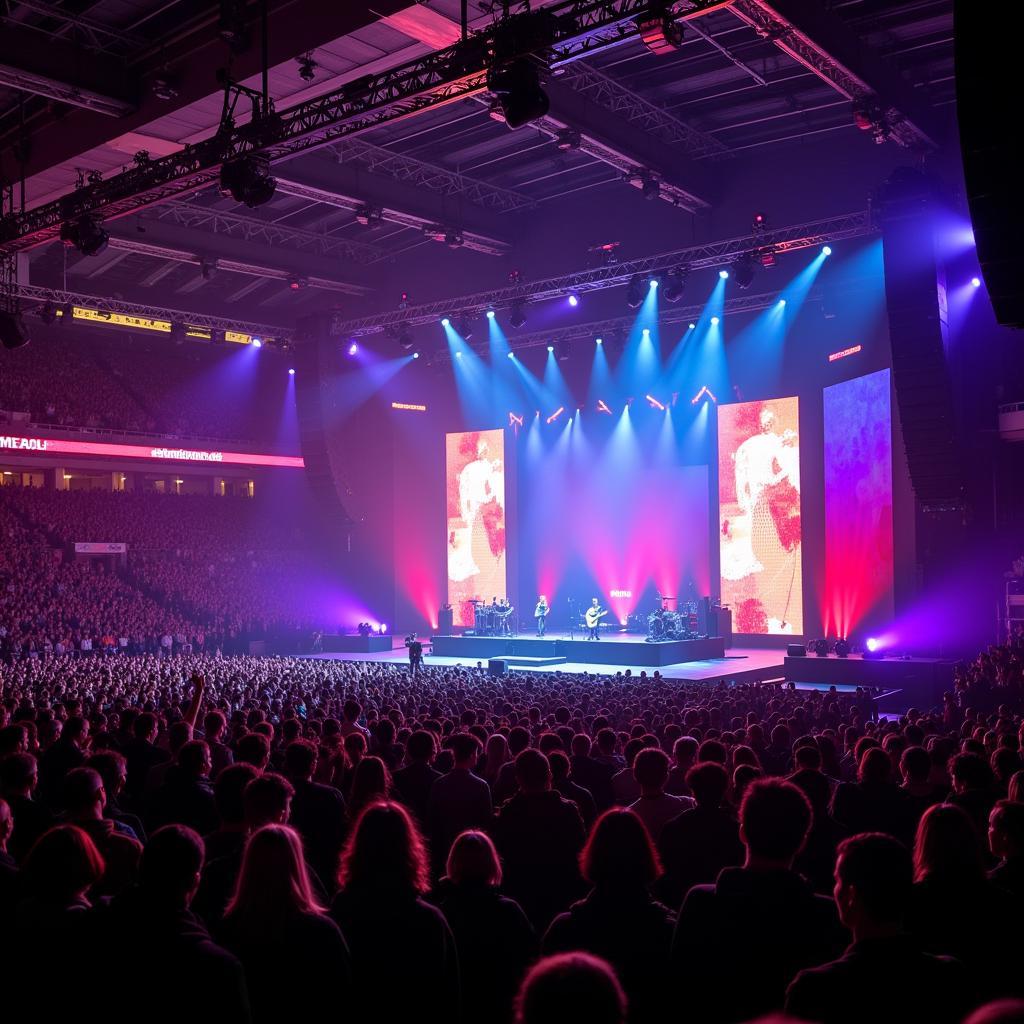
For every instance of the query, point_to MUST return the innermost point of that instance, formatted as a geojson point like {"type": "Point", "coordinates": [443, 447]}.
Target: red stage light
{"type": "Point", "coordinates": [601, 407]}
{"type": "Point", "coordinates": [558, 412]}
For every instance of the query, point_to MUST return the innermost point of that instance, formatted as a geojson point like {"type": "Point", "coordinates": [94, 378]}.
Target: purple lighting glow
{"type": "Point", "coordinates": [574, 300]}
{"type": "Point", "coordinates": [291, 372]}
{"type": "Point", "coordinates": [976, 282]}
{"type": "Point", "coordinates": [353, 349]}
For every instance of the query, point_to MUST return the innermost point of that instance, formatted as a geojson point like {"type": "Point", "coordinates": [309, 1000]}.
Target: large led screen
{"type": "Point", "coordinates": [475, 485]}
{"type": "Point", "coordinates": [759, 515]}
{"type": "Point", "coordinates": [858, 500]}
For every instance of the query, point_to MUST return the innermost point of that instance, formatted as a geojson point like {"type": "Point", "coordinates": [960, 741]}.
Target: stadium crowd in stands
{"type": "Point", "coordinates": [111, 380]}
{"type": "Point", "coordinates": [203, 573]}
{"type": "Point", "coordinates": [234, 838]}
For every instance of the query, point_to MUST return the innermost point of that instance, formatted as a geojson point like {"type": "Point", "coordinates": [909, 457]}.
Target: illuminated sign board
{"type": "Point", "coordinates": [408, 407]}
{"type": "Point", "coordinates": [140, 323]}
{"type": "Point", "coordinates": [621, 593]}
{"type": "Point", "coordinates": [852, 351]}
{"type": "Point", "coordinates": [55, 446]}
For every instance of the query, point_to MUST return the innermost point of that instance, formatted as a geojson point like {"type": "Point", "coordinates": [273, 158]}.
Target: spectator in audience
{"type": "Point", "coordinates": [153, 924]}
{"type": "Point", "coordinates": [697, 844]}
{"type": "Point", "coordinates": [186, 796]}
{"type": "Point", "coordinates": [955, 910]}
{"type": "Point", "coordinates": [414, 782]}
{"type": "Point", "coordinates": [494, 939]}
{"type": "Point", "coordinates": [591, 774]}
{"type": "Point", "coordinates": [563, 783]}
{"type": "Point", "coordinates": [18, 781]}
{"type": "Point", "coordinates": [571, 986]}
{"type": "Point", "coordinates": [391, 932]}
{"type": "Point", "coordinates": [8, 867]}
{"type": "Point", "coordinates": [142, 753]}
{"type": "Point", "coordinates": [113, 770]}
{"type": "Point", "coordinates": [70, 751]}
{"type": "Point", "coordinates": [214, 728]}
{"type": "Point", "coordinates": [1006, 841]}
{"type": "Point", "coordinates": [874, 803]}
{"type": "Point", "coordinates": [740, 941]}
{"type": "Point", "coordinates": [279, 932]}
{"type": "Point", "coordinates": [684, 757]}
{"type": "Point", "coordinates": [539, 835]}
{"type": "Point", "coordinates": [922, 792]}
{"type": "Point", "coordinates": [655, 807]}
{"type": "Point", "coordinates": [619, 920]}
{"type": "Point", "coordinates": [874, 879]}
{"type": "Point", "coordinates": [973, 789]}
{"type": "Point", "coordinates": [460, 800]}
{"type": "Point", "coordinates": [318, 811]}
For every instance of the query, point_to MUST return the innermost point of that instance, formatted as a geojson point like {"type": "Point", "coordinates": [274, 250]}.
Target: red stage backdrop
{"type": "Point", "coordinates": [759, 515]}
{"type": "Point", "coordinates": [475, 484]}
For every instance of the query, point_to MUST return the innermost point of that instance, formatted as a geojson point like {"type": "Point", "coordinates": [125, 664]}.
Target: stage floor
{"type": "Point", "coordinates": [742, 664]}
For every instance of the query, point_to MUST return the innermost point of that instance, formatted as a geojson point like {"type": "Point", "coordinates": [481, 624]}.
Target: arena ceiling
{"type": "Point", "coordinates": [85, 86]}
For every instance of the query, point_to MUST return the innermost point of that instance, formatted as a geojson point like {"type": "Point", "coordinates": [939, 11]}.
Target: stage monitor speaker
{"type": "Point", "coordinates": [445, 621]}
{"type": "Point", "coordinates": [915, 298]}
{"type": "Point", "coordinates": [796, 651]}
{"type": "Point", "coordinates": [987, 103]}
{"type": "Point", "coordinates": [497, 667]}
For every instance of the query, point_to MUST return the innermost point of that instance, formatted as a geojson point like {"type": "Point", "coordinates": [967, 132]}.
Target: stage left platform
{"type": "Point", "coordinates": [611, 649]}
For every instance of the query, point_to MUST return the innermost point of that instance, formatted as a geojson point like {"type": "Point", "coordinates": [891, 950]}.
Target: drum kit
{"type": "Point", "coordinates": [491, 620]}
{"type": "Point", "coordinates": [665, 624]}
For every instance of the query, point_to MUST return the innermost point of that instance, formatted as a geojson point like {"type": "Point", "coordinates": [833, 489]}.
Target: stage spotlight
{"type": "Point", "coordinates": [405, 339]}
{"type": "Point", "coordinates": [714, 320]}
{"type": "Point", "coordinates": [415, 355]}
{"type": "Point", "coordinates": [353, 349]}
{"type": "Point", "coordinates": [976, 282]}
{"type": "Point", "coordinates": [660, 32]}
{"type": "Point", "coordinates": [13, 332]}
{"type": "Point", "coordinates": [646, 332]}
{"type": "Point", "coordinates": [819, 648]}
{"type": "Point", "coordinates": [517, 88]}
{"type": "Point", "coordinates": [445, 322]}
{"type": "Point", "coordinates": [782, 302]}
{"type": "Point", "coordinates": [653, 283]}
{"type": "Point", "coordinates": [826, 250]}
{"type": "Point", "coordinates": [692, 327]}
{"type": "Point", "coordinates": [551, 348]}
{"type": "Point", "coordinates": [490, 314]}
{"type": "Point", "coordinates": [85, 235]}
{"type": "Point", "coordinates": [842, 648]}
{"type": "Point", "coordinates": [743, 271]}
{"type": "Point", "coordinates": [291, 371]}
{"type": "Point", "coordinates": [257, 343]}
{"type": "Point", "coordinates": [464, 326]}
{"type": "Point", "coordinates": [723, 274]}
{"type": "Point", "coordinates": [248, 180]}
{"type": "Point", "coordinates": [574, 299]}
{"type": "Point", "coordinates": [672, 286]}
{"type": "Point", "coordinates": [47, 312]}
{"type": "Point", "coordinates": [599, 341]}
{"type": "Point", "coordinates": [458, 355]}
{"type": "Point", "coordinates": [511, 355]}
{"type": "Point", "coordinates": [634, 294]}
{"type": "Point", "coordinates": [517, 315]}
{"type": "Point", "coordinates": [872, 644]}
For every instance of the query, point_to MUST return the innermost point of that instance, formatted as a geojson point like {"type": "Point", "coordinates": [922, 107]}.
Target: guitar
{"type": "Point", "coordinates": [593, 617]}
{"type": "Point", "coordinates": [541, 611]}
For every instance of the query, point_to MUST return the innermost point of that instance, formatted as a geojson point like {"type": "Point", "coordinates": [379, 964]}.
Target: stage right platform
{"type": "Point", "coordinates": [612, 649]}
{"type": "Point", "coordinates": [920, 682]}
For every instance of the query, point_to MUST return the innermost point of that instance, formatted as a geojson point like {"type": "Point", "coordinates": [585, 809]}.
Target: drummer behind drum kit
{"type": "Point", "coordinates": [491, 620]}
{"type": "Point", "coordinates": [665, 624]}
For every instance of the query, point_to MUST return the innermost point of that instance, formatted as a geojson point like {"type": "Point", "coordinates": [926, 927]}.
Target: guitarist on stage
{"type": "Point", "coordinates": [541, 614]}
{"type": "Point", "coordinates": [594, 616]}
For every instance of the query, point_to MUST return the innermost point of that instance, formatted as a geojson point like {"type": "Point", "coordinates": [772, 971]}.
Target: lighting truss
{"type": "Point", "coordinates": [254, 229]}
{"type": "Point", "coordinates": [558, 34]}
{"type": "Point", "coordinates": [622, 325]}
{"type": "Point", "coordinates": [615, 275]}
{"type": "Point", "coordinates": [769, 24]}
{"type": "Point", "coordinates": [615, 97]}
{"type": "Point", "coordinates": [59, 297]}
{"type": "Point", "coordinates": [432, 177]}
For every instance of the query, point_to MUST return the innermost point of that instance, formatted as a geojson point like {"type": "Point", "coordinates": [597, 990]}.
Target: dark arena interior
{"type": "Point", "coordinates": [511, 512]}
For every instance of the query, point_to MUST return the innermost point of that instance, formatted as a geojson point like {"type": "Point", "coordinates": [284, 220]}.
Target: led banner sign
{"type": "Point", "coordinates": [55, 446]}
{"type": "Point", "coordinates": [99, 548]}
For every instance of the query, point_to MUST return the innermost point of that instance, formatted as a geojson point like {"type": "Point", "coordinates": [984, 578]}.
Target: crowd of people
{"type": "Point", "coordinates": [209, 573]}
{"type": "Point", "coordinates": [238, 838]}
{"type": "Point", "coordinates": [110, 379]}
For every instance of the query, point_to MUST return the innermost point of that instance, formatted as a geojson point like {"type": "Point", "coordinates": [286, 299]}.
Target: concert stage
{"type": "Point", "coordinates": [352, 643]}
{"type": "Point", "coordinates": [611, 649]}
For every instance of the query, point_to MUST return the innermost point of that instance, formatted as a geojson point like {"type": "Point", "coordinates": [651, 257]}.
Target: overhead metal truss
{"type": "Point", "coordinates": [770, 24]}
{"type": "Point", "coordinates": [470, 239]}
{"type": "Point", "coordinates": [611, 328]}
{"type": "Point", "coordinates": [89, 32]}
{"type": "Point", "coordinates": [614, 275]}
{"type": "Point", "coordinates": [612, 95]}
{"type": "Point", "coordinates": [555, 35]}
{"type": "Point", "coordinates": [255, 229]}
{"type": "Point", "coordinates": [431, 177]}
{"type": "Point", "coordinates": [33, 294]}
{"type": "Point", "coordinates": [165, 252]}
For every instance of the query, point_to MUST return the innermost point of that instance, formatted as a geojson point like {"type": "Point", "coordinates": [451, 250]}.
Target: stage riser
{"type": "Point", "coordinates": [921, 681]}
{"type": "Point", "coordinates": [335, 644]}
{"type": "Point", "coordinates": [593, 652]}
